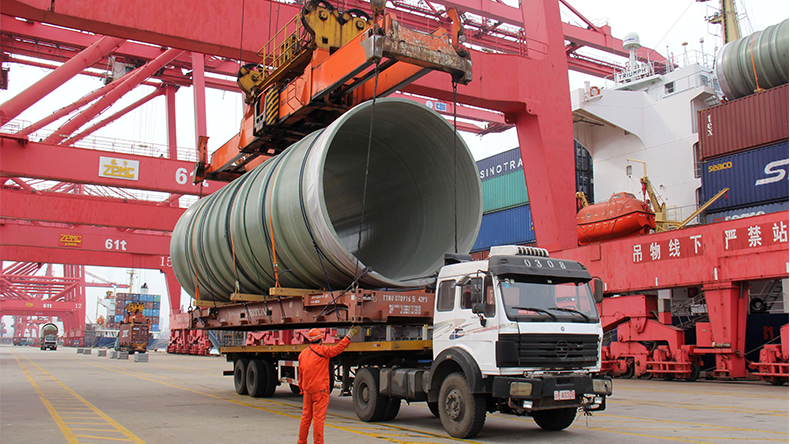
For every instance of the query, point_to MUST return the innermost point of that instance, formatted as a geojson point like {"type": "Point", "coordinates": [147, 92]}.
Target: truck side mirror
{"type": "Point", "coordinates": [598, 290]}
{"type": "Point", "coordinates": [477, 291]}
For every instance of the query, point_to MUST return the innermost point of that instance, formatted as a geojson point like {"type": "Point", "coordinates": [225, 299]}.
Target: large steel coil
{"type": "Point", "coordinates": [758, 59]}
{"type": "Point", "coordinates": [304, 207]}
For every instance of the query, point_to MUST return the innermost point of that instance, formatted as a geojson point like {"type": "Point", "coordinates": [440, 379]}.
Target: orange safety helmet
{"type": "Point", "coordinates": [314, 335]}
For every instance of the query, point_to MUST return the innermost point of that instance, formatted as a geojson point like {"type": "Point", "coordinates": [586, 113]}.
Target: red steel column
{"type": "Point", "coordinates": [727, 309]}
{"type": "Point", "coordinates": [199, 87]}
{"type": "Point", "coordinates": [86, 58]}
{"type": "Point", "coordinates": [170, 100]}
{"type": "Point", "coordinates": [134, 79]}
{"type": "Point", "coordinates": [173, 290]}
{"type": "Point", "coordinates": [77, 137]}
{"type": "Point", "coordinates": [545, 131]}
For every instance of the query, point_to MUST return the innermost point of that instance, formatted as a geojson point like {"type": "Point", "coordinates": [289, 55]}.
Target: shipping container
{"type": "Point", "coordinates": [739, 125]}
{"type": "Point", "coordinates": [583, 158]}
{"type": "Point", "coordinates": [753, 177]}
{"type": "Point", "coordinates": [506, 227]}
{"type": "Point", "coordinates": [157, 298]}
{"type": "Point", "coordinates": [505, 191]}
{"type": "Point", "coordinates": [155, 327]}
{"type": "Point", "coordinates": [156, 305]}
{"type": "Point", "coordinates": [740, 213]}
{"type": "Point", "coordinates": [584, 183]}
{"type": "Point", "coordinates": [499, 164]}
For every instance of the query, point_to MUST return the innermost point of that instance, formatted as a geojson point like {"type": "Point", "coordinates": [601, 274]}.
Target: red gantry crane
{"type": "Point", "coordinates": [531, 40]}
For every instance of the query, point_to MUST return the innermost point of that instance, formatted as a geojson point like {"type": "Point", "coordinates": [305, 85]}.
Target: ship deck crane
{"type": "Point", "coordinates": [319, 65]}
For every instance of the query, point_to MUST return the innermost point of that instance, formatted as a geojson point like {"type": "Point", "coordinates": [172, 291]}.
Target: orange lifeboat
{"type": "Point", "coordinates": [623, 215]}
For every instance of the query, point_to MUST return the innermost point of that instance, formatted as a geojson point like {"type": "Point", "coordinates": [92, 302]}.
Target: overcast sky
{"type": "Point", "coordinates": [668, 23]}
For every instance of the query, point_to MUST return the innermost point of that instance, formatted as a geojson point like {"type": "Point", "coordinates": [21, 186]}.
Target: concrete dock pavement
{"type": "Point", "coordinates": [62, 397]}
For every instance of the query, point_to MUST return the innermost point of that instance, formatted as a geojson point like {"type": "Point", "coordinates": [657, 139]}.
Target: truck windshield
{"type": "Point", "coordinates": [547, 299]}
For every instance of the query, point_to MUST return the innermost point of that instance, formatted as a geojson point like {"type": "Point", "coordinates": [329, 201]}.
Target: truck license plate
{"type": "Point", "coordinates": [564, 395]}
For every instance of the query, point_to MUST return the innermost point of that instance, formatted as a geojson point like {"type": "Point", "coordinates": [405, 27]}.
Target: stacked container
{"type": "Point", "coordinates": [152, 303]}
{"type": "Point", "coordinates": [743, 146]}
{"type": "Point", "coordinates": [507, 219]}
{"type": "Point", "coordinates": [506, 215]}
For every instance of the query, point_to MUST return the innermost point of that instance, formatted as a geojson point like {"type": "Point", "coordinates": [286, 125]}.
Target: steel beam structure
{"type": "Point", "coordinates": [130, 82]}
{"type": "Point", "coordinates": [35, 92]}
{"type": "Point", "coordinates": [79, 165]}
{"type": "Point", "coordinates": [93, 128]}
{"type": "Point", "coordinates": [43, 206]}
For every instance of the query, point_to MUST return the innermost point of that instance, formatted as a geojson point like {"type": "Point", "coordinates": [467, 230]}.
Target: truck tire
{"type": "Point", "coordinates": [261, 378]}
{"type": "Point", "coordinates": [462, 412]}
{"type": "Point", "coordinates": [240, 375]}
{"type": "Point", "coordinates": [369, 404]}
{"type": "Point", "coordinates": [554, 420]}
{"type": "Point", "coordinates": [295, 389]}
{"type": "Point", "coordinates": [392, 409]}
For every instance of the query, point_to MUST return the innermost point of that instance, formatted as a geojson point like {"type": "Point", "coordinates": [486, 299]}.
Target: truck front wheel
{"type": "Point", "coordinates": [462, 412]}
{"type": "Point", "coordinates": [557, 419]}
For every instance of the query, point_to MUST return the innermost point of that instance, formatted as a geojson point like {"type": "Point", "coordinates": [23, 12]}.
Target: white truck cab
{"type": "Point", "coordinates": [523, 331]}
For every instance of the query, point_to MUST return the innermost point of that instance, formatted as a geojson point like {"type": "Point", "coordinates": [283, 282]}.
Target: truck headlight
{"type": "Point", "coordinates": [601, 386]}
{"type": "Point", "coordinates": [521, 389]}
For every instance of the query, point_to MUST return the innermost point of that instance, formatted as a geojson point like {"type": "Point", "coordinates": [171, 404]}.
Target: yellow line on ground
{"type": "Point", "coordinates": [668, 438]}
{"type": "Point", "coordinates": [103, 437]}
{"type": "Point", "coordinates": [667, 421]}
{"type": "Point", "coordinates": [70, 438]}
{"type": "Point", "coordinates": [270, 410]}
{"type": "Point", "coordinates": [95, 430]}
{"type": "Point", "coordinates": [700, 407]}
{"type": "Point", "coordinates": [132, 437]}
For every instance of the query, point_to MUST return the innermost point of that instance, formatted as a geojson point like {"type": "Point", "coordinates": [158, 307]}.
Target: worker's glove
{"type": "Point", "coordinates": [353, 331]}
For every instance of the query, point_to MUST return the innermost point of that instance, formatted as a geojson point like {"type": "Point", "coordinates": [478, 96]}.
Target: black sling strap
{"type": "Point", "coordinates": [319, 354]}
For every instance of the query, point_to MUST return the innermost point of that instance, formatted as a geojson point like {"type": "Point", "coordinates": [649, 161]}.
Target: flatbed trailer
{"type": "Point", "coordinates": [518, 333]}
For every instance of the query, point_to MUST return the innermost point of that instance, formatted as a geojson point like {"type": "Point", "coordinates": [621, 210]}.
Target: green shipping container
{"type": "Point", "coordinates": [505, 191]}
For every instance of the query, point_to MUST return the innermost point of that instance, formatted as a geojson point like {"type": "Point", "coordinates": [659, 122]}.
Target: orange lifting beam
{"type": "Point", "coordinates": [331, 58]}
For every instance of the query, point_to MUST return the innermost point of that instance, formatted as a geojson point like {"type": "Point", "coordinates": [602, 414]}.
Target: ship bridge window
{"type": "Point", "coordinates": [669, 88]}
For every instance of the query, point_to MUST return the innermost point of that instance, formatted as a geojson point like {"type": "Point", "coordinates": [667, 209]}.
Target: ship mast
{"type": "Point", "coordinates": [727, 17]}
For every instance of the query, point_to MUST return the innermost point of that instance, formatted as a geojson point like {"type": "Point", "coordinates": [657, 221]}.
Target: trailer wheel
{"type": "Point", "coordinates": [392, 409]}
{"type": "Point", "coordinates": [434, 408]}
{"type": "Point", "coordinates": [629, 371]}
{"type": "Point", "coordinates": [463, 413]}
{"type": "Point", "coordinates": [261, 378]}
{"type": "Point", "coordinates": [554, 420]}
{"type": "Point", "coordinates": [778, 381]}
{"type": "Point", "coordinates": [695, 371]}
{"type": "Point", "coordinates": [668, 376]}
{"type": "Point", "coordinates": [240, 375]}
{"type": "Point", "coordinates": [369, 404]}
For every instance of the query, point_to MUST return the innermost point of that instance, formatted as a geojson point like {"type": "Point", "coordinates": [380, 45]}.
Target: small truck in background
{"type": "Point", "coordinates": [49, 337]}
{"type": "Point", "coordinates": [133, 331]}
{"type": "Point", "coordinates": [518, 333]}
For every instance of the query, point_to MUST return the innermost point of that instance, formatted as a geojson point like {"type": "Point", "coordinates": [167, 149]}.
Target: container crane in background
{"type": "Point", "coordinates": [530, 39]}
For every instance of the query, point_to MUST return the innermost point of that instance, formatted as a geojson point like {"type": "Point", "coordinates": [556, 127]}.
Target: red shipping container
{"type": "Point", "coordinates": [743, 124]}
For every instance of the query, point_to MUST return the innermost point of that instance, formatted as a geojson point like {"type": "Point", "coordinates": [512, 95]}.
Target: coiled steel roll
{"type": "Point", "coordinates": [305, 206]}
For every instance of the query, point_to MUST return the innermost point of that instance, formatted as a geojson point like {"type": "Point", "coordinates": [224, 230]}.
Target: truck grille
{"type": "Point", "coordinates": [556, 351]}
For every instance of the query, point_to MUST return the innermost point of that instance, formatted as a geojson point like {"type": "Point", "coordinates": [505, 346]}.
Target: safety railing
{"type": "Point", "coordinates": [284, 46]}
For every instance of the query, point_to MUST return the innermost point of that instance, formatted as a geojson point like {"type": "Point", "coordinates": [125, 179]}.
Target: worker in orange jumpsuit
{"type": "Point", "coordinates": [314, 382]}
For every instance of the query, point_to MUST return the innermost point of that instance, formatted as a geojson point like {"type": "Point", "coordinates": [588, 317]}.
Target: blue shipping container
{"type": "Point", "coordinates": [753, 177]}
{"type": "Point", "coordinates": [721, 216]}
{"type": "Point", "coordinates": [500, 164]}
{"type": "Point", "coordinates": [155, 327]}
{"type": "Point", "coordinates": [507, 227]}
